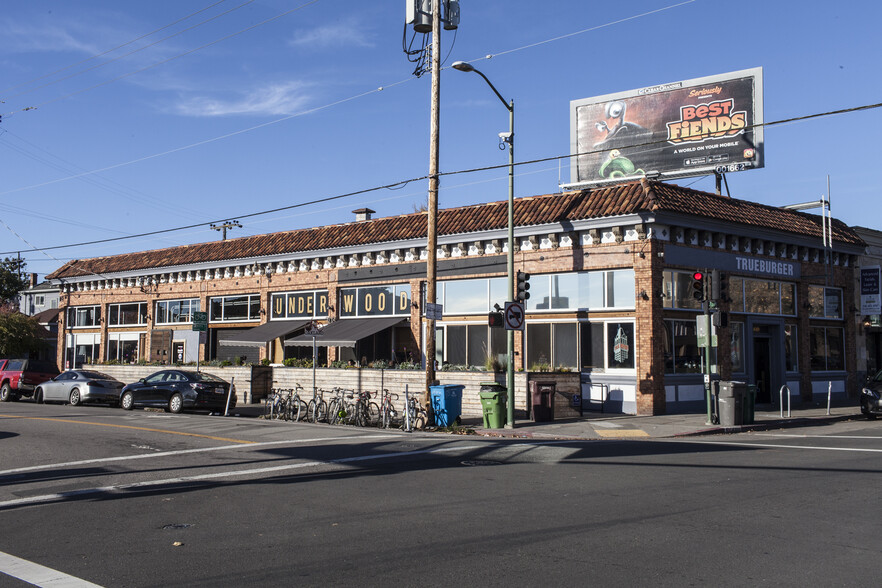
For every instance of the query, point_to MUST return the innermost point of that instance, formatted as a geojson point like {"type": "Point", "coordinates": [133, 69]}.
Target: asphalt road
{"type": "Point", "coordinates": [140, 498]}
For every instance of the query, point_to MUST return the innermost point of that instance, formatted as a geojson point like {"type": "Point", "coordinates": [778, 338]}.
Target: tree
{"type": "Point", "coordinates": [12, 280]}
{"type": "Point", "coordinates": [20, 335]}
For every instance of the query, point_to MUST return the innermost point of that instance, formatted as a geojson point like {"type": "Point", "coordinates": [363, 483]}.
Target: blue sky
{"type": "Point", "coordinates": [234, 107]}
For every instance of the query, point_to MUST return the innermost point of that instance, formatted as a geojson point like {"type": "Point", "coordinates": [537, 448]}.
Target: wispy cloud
{"type": "Point", "coordinates": [274, 99]}
{"type": "Point", "coordinates": [19, 38]}
{"type": "Point", "coordinates": [346, 33]}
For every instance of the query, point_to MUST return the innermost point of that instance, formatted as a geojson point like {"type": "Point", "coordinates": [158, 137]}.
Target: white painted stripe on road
{"type": "Point", "coordinates": [31, 500]}
{"type": "Point", "coordinates": [795, 436]}
{"type": "Point", "coordinates": [776, 446]}
{"type": "Point", "coordinates": [68, 464]}
{"type": "Point", "coordinates": [38, 575]}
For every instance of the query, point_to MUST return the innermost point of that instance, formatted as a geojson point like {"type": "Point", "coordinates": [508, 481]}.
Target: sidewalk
{"type": "Point", "coordinates": [618, 426]}
{"type": "Point", "coordinates": [597, 425]}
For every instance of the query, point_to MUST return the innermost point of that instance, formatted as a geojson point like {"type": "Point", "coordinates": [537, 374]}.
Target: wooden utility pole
{"type": "Point", "coordinates": [434, 150]}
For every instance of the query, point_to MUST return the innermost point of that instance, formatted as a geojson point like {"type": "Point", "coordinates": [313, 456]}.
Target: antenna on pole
{"type": "Point", "coordinates": [223, 228]}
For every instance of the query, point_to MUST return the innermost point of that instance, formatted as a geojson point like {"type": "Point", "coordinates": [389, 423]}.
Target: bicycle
{"type": "Point", "coordinates": [317, 409]}
{"type": "Point", "coordinates": [275, 404]}
{"type": "Point", "coordinates": [338, 407]}
{"type": "Point", "coordinates": [415, 416]}
{"type": "Point", "coordinates": [388, 414]}
{"type": "Point", "coordinates": [295, 407]}
{"type": "Point", "coordinates": [365, 412]}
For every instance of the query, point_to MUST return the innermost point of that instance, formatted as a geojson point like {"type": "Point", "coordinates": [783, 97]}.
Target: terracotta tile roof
{"type": "Point", "coordinates": [622, 199]}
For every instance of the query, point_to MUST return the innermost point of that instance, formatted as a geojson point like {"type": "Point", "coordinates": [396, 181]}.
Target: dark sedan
{"type": "Point", "coordinates": [176, 390]}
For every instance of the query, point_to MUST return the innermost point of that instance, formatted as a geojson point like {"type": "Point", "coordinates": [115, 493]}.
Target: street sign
{"type": "Point", "coordinates": [200, 321]}
{"type": "Point", "coordinates": [434, 312]}
{"type": "Point", "coordinates": [514, 316]}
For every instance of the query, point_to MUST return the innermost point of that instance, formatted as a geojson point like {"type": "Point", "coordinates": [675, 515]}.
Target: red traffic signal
{"type": "Point", "coordinates": [698, 290]}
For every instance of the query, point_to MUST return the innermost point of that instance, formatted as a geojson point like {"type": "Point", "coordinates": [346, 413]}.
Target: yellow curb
{"type": "Point", "coordinates": [621, 433]}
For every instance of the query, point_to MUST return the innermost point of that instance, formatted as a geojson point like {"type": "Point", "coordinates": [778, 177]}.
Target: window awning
{"type": "Point", "coordinates": [345, 332]}
{"type": "Point", "coordinates": [266, 332]}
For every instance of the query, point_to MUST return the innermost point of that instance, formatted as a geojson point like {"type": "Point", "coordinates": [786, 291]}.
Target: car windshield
{"type": "Point", "coordinates": [203, 377]}
{"type": "Point", "coordinates": [877, 379]}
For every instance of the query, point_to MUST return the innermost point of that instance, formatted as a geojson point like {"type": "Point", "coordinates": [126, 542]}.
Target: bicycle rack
{"type": "Point", "coordinates": [781, 400]}
{"type": "Point", "coordinates": [604, 395]}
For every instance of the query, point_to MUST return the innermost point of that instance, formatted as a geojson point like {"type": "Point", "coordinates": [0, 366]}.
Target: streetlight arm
{"type": "Point", "coordinates": [510, 107]}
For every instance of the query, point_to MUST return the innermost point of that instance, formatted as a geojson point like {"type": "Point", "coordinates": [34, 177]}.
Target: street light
{"type": "Point", "coordinates": [509, 140]}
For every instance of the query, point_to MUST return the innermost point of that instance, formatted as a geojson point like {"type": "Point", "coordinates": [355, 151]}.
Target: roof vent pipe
{"type": "Point", "coordinates": [363, 214]}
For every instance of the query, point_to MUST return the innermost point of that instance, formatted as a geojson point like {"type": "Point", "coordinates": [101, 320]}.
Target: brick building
{"type": "Point", "coordinates": [611, 272]}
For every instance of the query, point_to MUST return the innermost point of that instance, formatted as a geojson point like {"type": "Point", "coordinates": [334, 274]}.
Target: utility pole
{"type": "Point", "coordinates": [223, 228]}
{"type": "Point", "coordinates": [434, 150]}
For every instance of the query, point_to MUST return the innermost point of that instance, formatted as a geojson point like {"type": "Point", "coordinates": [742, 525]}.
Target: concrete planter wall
{"type": "Point", "coordinates": [253, 383]}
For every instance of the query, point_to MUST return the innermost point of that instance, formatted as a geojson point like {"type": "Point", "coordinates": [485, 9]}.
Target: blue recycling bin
{"type": "Point", "coordinates": [447, 403]}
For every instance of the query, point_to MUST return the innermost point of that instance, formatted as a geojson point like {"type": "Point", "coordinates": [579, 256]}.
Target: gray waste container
{"type": "Point", "coordinates": [731, 403]}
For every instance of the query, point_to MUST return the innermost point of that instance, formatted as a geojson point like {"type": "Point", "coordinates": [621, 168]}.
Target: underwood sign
{"type": "Point", "coordinates": [679, 129]}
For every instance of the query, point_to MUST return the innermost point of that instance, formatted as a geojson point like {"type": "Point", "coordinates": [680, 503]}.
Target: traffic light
{"type": "Point", "coordinates": [720, 319]}
{"type": "Point", "coordinates": [494, 319]}
{"type": "Point", "coordinates": [719, 286]}
{"type": "Point", "coordinates": [523, 285]}
{"type": "Point", "coordinates": [698, 286]}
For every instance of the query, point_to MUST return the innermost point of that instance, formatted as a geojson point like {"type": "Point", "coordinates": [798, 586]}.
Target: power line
{"type": "Point", "coordinates": [420, 178]}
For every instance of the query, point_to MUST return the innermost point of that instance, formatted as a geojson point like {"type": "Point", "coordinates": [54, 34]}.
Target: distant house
{"type": "Point", "coordinates": [48, 319]}
{"type": "Point", "coordinates": [38, 297]}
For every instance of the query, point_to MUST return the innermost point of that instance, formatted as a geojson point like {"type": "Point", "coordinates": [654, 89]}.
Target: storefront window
{"type": "Point", "coordinates": [83, 316]}
{"type": "Point", "coordinates": [176, 311]}
{"type": "Point", "coordinates": [620, 345]}
{"type": "Point", "coordinates": [677, 289]}
{"type": "Point", "coordinates": [827, 349]}
{"type": "Point", "coordinates": [790, 343]}
{"type": "Point", "coordinates": [127, 314]}
{"type": "Point", "coordinates": [538, 346]}
{"type": "Point", "coordinates": [825, 302]}
{"type": "Point", "coordinates": [472, 345]}
{"type": "Point", "coordinates": [620, 289]}
{"type": "Point", "coordinates": [788, 298]}
{"type": "Point", "coordinates": [736, 344]}
{"type": "Point", "coordinates": [682, 354]}
{"type": "Point", "coordinates": [564, 291]}
{"type": "Point", "coordinates": [762, 297]}
{"type": "Point", "coordinates": [591, 346]}
{"type": "Point", "coordinates": [235, 308]}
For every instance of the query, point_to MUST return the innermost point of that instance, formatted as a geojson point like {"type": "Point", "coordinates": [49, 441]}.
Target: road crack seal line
{"type": "Point", "coordinates": [60, 496]}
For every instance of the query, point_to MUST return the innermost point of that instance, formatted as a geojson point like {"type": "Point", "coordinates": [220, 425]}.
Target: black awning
{"type": "Point", "coordinates": [345, 332]}
{"type": "Point", "coordinates": [265, 333]}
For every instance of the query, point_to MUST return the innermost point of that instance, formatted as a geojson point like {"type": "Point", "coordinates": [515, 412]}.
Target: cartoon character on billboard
{"type": "Point", "coordinates": [619, 166]}
{"type": "Point", "coordinates": [619, 134]}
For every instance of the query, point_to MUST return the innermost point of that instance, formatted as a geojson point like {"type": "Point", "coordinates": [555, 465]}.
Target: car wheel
{"type": "Point", "coordinates": [176, 404]}
{"type": "Point", "coordinates": [38, 396]}
{"type": "Point", "coordinates": [75, 398]}
{"type": "Point", "coordinates": [6, 394]}
{"type": "Point", "coordinates": [127, 402]}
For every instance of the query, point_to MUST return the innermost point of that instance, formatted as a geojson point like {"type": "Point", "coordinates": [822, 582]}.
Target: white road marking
{"type": "Point", "coordinates": [796, 436]}
{"type": "Point", "coordinates": [50, 466]}
{"type": "Point", "coordinates": [774, 446]}
{"type": "Point", "coordinates": [38, 575]}
{"type": "Point", "coordinates": [31, 500]}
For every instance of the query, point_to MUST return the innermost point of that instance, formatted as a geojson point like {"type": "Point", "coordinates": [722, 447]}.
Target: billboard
{"type": "Point", "coordinates": [688, 128]}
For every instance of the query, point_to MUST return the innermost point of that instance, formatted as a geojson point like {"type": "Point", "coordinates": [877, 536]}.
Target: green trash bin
{"type": "Point", "coordinates": [493, 403]}
{"type": "Point", "coordinates": [749, 405]}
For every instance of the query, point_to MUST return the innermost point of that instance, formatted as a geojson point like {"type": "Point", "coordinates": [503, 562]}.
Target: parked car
{"type": "Point", "coordinates": [871, 396]}
{"type": "Point", "coordinates": [176, 390]}
{"type": "Point", "coordinates": [78, 387]}
{"type": "Point", "coordinates": [19, 377]}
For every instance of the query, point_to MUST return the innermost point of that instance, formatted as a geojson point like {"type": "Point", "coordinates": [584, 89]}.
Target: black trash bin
{"type": "Point", "coordinates": [542, 400]}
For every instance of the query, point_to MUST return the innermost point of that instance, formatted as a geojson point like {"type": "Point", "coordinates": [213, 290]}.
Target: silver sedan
{"type": "Point", "coordinates": [78, 387]}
